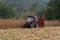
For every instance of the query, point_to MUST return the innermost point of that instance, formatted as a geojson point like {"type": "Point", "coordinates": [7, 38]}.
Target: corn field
{"type": "Point", "coordinates": [10, 23]}
{"type": "Point", "coordinates": [49, 32]}
{"type": "Point", "coordinates": [18, 23]}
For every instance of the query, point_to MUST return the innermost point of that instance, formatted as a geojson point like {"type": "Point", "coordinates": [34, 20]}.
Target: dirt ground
{"type": "Point", "coordinates": [46, 33]}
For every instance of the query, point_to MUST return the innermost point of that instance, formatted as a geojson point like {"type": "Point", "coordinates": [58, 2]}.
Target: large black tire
{"type": "Point", "coordinates": [26, 26]}
{"type": "Point", "coordinates": [35, 26]}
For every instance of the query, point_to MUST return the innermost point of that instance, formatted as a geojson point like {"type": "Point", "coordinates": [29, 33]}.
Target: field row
{"type": "Point", "coordinates": [46, 33]}
{"type": "Point", "coordinates": [13, 23]}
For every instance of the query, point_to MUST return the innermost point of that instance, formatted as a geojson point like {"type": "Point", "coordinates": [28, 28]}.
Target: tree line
{"type": "Point", "coordinates": [7, 11]}
{"type": "Point", "coordinates": [52, 11]}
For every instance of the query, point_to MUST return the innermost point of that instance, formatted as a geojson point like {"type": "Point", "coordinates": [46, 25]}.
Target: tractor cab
{"type": "Point", "coordinates": [30, 22]}
{"type": "Point", "coordinates": [30, 18]}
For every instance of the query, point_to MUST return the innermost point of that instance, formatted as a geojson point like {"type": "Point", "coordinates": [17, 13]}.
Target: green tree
{"type": "Point", "coordinates": [36, 9]}
{"type": "Point", "coordinates": [7, 11]}
{"type": "Point", "coordinates": [53, 10]}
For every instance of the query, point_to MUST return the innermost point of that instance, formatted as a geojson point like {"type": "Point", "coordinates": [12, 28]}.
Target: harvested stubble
{"type": "Point", "coordinates": [24, 34]}
{"type": "Point", "coordinates": [47, 33]}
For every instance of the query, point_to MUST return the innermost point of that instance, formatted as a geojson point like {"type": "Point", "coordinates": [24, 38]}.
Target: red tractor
{"type": "Point", "coordinates": [40, 22]}
{"type": "Point", "coordinates": [31, 22]}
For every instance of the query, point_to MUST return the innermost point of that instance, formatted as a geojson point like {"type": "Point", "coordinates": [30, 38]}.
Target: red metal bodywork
{"type": "Point", "coordinates": [41, 21]}
{"type": "Point", "coordinates": [28, 23]}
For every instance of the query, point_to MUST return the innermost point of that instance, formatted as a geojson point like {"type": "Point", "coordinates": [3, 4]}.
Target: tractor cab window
{"type": "Point", "coordinates": [29, 19]}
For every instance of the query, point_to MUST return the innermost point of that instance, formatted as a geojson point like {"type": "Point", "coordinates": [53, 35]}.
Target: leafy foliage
{"type": "Point", "coordinates": [6, 11]}
{"type": "Point", "coordinates": [53, 10]}
{"type": "Point", "coordinates": [37, 9]}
